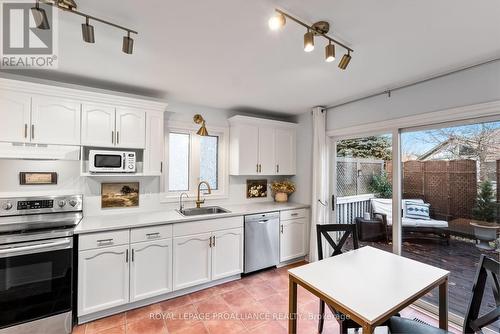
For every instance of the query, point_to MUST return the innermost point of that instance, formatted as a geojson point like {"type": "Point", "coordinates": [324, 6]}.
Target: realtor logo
{"type": "Point", "coordinates": [24, 44]}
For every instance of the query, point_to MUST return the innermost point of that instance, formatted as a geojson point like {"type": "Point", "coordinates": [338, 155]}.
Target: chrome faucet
{"type": "Point", "coordinates": [181, 205]}
{"type": "Point", "coordinates": [209, 191]}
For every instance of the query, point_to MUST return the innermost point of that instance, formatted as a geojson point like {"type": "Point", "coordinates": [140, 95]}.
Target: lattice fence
{"type": "Point", "coordinates": [354, 175]}
{"type": "Point", "coordinates": [449, 186]}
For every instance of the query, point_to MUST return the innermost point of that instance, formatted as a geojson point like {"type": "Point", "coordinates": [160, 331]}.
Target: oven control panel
{"type": "Point", "coordinates": [45, 204]}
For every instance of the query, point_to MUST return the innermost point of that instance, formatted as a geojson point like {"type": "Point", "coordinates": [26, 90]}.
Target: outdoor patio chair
{"type": "Point", "coordinates": [382, 209]}
{"type": "Point", "coordinates": [473, 323]}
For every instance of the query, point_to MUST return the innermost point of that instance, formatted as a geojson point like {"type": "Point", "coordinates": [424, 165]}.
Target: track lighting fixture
{"type": "Point", "coordinates": [345, 60]}
{"type": "Point", "coordinates": [320, 29]}
{"type": "Point", "coordinates": [128, 44]}
{"type": "Point", "coordinates": [70, 6]}
{"type": "Point", "coordinates": [308, 41]}
{"type": "Point", "coordinates": [40, 17]}
{"type": "Point", "coordinates": [277, 22]}
{"type": "Point", "coordinates": [330, 52]}
{"type": "Point", "coordinates": [88, 31]}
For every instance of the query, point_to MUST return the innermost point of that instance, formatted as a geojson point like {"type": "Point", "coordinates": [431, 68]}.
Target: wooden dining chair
{"type": "Point", "coordinates": [345, 230]}
{"type": "Point", "coordinates": [473, 323]}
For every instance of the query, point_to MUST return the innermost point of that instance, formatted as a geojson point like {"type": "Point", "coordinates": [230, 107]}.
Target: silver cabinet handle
{"type": "Point", "coordinates": [133, 255]}
{"type": "Point", "coordinates": [213, 243]}
{"type": "Point", "coordinates": [281, 230]}
{"type": "Point", "coordinates": [257, 166]}
{"type": "Point", "coordinates": [161, 167]}
{"type": "Point", "coordinates": [294, 214]}
{"type": "Point", "coordinates": [118, 137]}
{"type": "Point", "coordinates": [126, 255]}
{"type": "Point", "coordinates": [32, 131]}
{"type": "Point", "coordinates": [105, 242]}
{"type": "Point", "coordinates": [153, 235]}
{"type": "Point", "coordinates": [112, 137]}
{"type": "Point", "coordinates": [210, 242]}
{"type": "Point", "coordinates": [277, 168]}
{"type": "Point", "coordinates": [25, 130]}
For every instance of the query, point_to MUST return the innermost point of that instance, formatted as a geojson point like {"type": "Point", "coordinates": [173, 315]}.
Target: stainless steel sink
{"type": "Point", "coordinates": [208, 210]}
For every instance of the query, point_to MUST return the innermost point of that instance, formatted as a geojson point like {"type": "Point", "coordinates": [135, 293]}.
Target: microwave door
{"type": "Point", "coordinates": [108, 161]}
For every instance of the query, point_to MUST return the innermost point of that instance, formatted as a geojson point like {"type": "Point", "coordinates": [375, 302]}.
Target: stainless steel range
{"type": "Point", "coordinates": [36, 263]}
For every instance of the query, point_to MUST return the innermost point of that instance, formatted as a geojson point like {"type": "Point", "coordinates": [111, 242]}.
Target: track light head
{"type": "Point", "coordinates": [277, 22]}
{"type": "Point", "coordinates": [40, 17]}
{"type": "Point", "coordinates": [308, 41]}
{"type": "Point", "coordinates": [128, 44]}
{"type": "Point", "coordinates": [330, 52]}
{"type": "Point", "coordinates": [345, 60]}
{"type": "Point", "coordinates": [88, 32]}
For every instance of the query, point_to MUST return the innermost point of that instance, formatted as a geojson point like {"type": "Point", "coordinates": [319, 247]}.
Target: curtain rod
{"type": "Point", "coordinates": [389, 91]}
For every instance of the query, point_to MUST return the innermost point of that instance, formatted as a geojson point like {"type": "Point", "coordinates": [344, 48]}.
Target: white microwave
{"type": "Point", "coordinates": [112, 162]}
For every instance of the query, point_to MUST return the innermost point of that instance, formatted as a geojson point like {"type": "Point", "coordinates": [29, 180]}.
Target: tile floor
{"type": "Point", "coordinates": [257, 303]}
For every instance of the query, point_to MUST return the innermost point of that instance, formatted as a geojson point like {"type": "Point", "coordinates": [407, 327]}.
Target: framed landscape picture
{"type": "Point", "coordinates": [120, 195]}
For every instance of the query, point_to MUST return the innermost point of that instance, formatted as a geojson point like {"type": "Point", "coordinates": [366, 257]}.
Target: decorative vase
{"type": "Point", "coordinates": [485, 233]}
{"type": "Point", "coordinates": [281, 197]}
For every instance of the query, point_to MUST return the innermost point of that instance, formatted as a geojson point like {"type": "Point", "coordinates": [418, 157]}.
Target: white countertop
{"type": "Point", "coordinates": [123, 221]}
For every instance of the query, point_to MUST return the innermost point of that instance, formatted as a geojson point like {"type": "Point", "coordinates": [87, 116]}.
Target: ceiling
{"type": "Point", "coordinates": [221, 54]}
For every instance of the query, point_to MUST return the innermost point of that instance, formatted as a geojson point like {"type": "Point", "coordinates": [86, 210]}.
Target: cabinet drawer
{"type": "Point", "coordinates": [105, 239]}
{"type": "Point", "coordinates": [209, 225]}
{"type": "Point", "coordinates": [293, 214]}
{"type": "Point", "coordinates": [151, 233]}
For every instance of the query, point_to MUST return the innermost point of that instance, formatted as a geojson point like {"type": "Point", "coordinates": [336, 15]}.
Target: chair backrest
{"type": "Point", "coordinates": [348, 229]}
{"type": "Point", "coordinates": [473, 322]}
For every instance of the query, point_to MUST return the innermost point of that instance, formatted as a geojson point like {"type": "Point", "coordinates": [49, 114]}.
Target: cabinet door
{"type": "Point", "coordinates": [55, 121]}
{"type": "Point", "coordinates": [227, 253]}
{"type": "Point", "coordinates": [130, 128]}
{"type": "Point", "coordinates": [153, 160]}
{"type": "Point", "coordinates": [266, 151]}
{"type": "Point", "coordinates": [103, 279]}
{"type": "Point", "coordinates": [285, 151]}
{"type": "Point", "coordinates": [150, 269]}
{"type": "Point", "coordinates": [293, 239]}
{"type": "Point", "coordinates": [245, 149]}
{"type": "Point", "coordinates": [15, 117]}
{"type": "Point", "coordinates": [98, 125]}
{"type": "Point", "coordinates": [192, 261]}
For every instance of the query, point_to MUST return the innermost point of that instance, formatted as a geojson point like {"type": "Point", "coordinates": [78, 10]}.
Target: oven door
{"type": "Point", "coordinates": [35, 280]}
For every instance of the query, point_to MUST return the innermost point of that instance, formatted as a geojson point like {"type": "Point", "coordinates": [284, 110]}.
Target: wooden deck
{"type": "Point", "coordinates": [460, 258]}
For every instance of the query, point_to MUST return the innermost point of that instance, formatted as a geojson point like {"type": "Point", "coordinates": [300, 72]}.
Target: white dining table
{"type": "Point", "coordinates": [368, 285]}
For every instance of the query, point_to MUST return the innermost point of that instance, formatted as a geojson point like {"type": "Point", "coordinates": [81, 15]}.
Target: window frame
{"type": "Point", "coordinates": [194, 162]}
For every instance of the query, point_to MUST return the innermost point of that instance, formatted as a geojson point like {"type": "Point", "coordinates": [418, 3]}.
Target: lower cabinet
{"type": "Point", "coordinates": [201, 258]}
{"type": "Point", "coordinates": [150, 269]}
{"type": "Point", "coordinates": [103, 279]}
{"type": "Point", "coordinates": [192, 260]}
{"type": "Point", "coordinates": [293, 242]}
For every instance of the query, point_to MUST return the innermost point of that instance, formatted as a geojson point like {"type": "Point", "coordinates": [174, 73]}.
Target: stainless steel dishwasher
{"type": "Point", "coordinates": [262, 241]}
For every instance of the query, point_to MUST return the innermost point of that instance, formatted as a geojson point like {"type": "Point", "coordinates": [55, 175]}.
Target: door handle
{"type": "Point", "coordinates": [32, 131]}
{"type": "Point", "coordinates": [126, 255]}
{"type": "Point", "coordinates": [263, 221]}
{"type": "Point", "coordinates": [112, 137]}
{"type": "Point", "coordinates": [333, 202]}
{"type": "Point", "coordinates": [25, 130]}
{"type": "Point", "coordinates": [210, 242]}
{"type": "Point", "coordinates": [257, 168]}
{"type": "Point", "coordinates": [281, 229]}
{"type": "Point", "coordinates": [118, 137]}
{"type": "Point", "coordinates": [161, 167]}
{"type": "Point", "coordinates": [133, 255]}
{"type": "Point", "coordinates": [213, 243]}
{"type": "Point", "coordinates": [277, 168]}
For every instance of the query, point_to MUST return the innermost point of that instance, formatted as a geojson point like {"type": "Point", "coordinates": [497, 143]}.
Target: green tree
{"type": "Point", "coordinates": [368, 147]}
{"type": "Point", "coordinates": [381, 186]}
{"type": "Point", "coordinates": [486, 208]}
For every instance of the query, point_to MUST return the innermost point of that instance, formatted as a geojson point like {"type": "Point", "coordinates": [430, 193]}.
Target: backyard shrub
{"type": "Point", "coordinates": [486, 208]}
{"type": "Point", "coordinates": [381, 186]}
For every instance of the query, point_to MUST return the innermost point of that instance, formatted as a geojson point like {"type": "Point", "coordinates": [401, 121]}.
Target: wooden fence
{"type": "Point", "coordinates": [449, 186]}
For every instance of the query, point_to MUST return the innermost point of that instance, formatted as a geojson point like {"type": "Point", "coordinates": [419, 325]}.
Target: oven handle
{"type": "Point", "coordinates": [38, 248]}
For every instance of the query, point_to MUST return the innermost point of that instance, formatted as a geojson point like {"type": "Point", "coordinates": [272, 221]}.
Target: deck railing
{"type": "Point", "coordinates": [350, 207]}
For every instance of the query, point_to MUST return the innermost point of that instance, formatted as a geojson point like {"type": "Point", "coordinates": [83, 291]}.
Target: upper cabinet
{"type": "Point", "coordinates": [153, 154]}
{"type": "Point", "coordinates": [39, 119]}
{"type": "Point", "coordinates": [55, 121]}
{"type": "Point", "coordinates": [262, 147]}
{"type": "Point", "coordinates": [107, 126]}
{"type": "Point", "coordinates": [15, 111]}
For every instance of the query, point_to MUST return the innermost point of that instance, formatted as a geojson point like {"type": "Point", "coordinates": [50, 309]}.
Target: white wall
{"type": "Point", "coordinates": [476, 85]}
{"type": "Point", "coordinates": [303, 178]}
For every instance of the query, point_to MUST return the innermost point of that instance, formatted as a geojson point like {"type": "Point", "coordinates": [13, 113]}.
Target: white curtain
{"type": "Point", "coordinates": [319, 211]}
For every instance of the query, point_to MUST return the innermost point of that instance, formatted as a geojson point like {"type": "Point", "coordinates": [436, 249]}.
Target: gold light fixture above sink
{"type": "Point", "coordinates": [198, 119]}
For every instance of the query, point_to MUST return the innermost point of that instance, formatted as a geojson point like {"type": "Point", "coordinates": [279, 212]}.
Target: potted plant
{"type": "Point", "coordinates": [282, 189]}
{"type": "Point", "coordinates": [484, 214]}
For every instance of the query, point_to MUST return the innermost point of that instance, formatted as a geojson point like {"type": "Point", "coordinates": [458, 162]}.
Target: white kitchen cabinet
{"type": "Point", "coordinates": [266, 151]}
{"type": "Point", "coordinates": [103, 278]}
{"type": "Point", "coordinates": [153, 154]}
{"type": "Point", "coordinates": [261, 147]}
{"type": "Point", "coordinates": [227, 253]}
{"type": "Point", "coordinates": [150, 269]}
{"type": "Point", "coordinates": [55, 121]}
{"type": "Point", "coordinates": [98, 125]}
{"type": "Point", "coordinates": [293, 240]}
{"type": "Point", "coordinates": [285, 148]}
{"type": "Point", "coordinates": [192, 260]}
{"type": "Point", "coordinates": [130, 128]}
{"type": "Point", "coordinates": [15, 121]}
